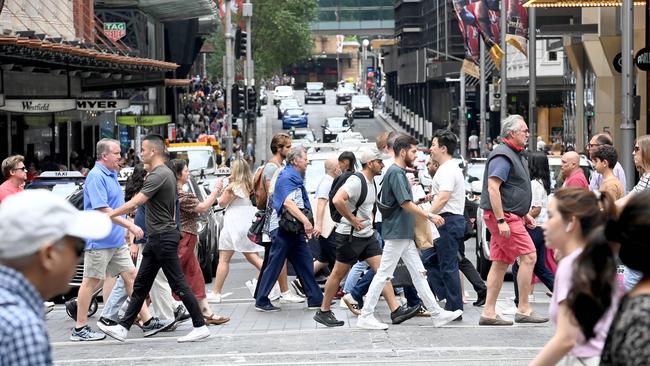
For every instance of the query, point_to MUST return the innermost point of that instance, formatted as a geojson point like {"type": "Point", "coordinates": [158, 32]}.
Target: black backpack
{"type": "Point", "coordinates": [338, 183]}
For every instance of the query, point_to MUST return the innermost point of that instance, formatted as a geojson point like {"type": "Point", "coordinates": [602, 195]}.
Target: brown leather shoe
{"type": "Point", "coordinates": [216, 319]}
{"type": "Point", "coordinates": [494, 321]}
{"type": "Point", "coordinates": [532, 318]}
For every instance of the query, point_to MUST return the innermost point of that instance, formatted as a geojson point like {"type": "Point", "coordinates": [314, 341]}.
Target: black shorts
{"type": "Point", "coordinates": [352, 250]}
{"type": "Point", "coordinates": [327, 249]}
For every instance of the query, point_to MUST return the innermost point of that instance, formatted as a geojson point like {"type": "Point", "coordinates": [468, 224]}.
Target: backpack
{"type": "Point", "coordinates": [259, 188]}
{"type": "Point", "coordinates": [338, 183]}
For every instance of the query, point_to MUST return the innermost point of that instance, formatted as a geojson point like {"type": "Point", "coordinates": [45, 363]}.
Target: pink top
{"type": "Point", "coordinates": [577, 179]}
{"type": "Point", "coordinates": [7, 189]}
{"type": "Point", "coordinates": [563, 276]}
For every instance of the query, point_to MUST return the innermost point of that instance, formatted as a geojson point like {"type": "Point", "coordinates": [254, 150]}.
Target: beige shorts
{"type": "Point", "coordinates": [101, 262]}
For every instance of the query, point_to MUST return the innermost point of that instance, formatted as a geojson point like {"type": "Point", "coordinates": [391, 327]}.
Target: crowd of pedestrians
{"type": "Point", "coordinates": [366, 223]}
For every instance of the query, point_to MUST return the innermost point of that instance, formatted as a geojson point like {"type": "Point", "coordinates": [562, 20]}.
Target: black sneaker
{"type": "Point", "coordinates": [297, 286]}
{"type": "Point", "coordinates": [107, 321]}
{"type": "Point", "coordinates": [404, 313]}
{"type": "Point", "coordinates": [181, 315]}
{"type": "Point", "coordinates": [480, 301]}
{"type": "Point", "coordinates": [266, 308]}
{"type": "Point", "coordinates": [156, 325]}
{"type": "Point", "coordinates": [327, 318]}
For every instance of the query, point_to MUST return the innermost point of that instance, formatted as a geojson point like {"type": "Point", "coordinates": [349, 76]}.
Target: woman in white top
{"type": "Point", "coordinates": [237, 220]}
{"type": "Point", "coordinates": [541, 186]}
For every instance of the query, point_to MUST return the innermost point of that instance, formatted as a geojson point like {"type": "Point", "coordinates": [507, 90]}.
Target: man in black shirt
{"type": "Point", "coordinates": [161, 250]}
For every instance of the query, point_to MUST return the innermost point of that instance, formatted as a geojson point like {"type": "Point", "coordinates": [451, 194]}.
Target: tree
{"type": "Point", "coordinates": [281, 36]}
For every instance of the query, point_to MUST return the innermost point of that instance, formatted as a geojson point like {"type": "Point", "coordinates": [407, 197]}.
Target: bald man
{"type": "Point", "coordinates": [571, 171]}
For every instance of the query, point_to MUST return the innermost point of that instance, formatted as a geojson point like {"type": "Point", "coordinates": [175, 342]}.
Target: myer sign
{"type": "Point", "coordinates": [38, 105]}
{"type": "Point", "coordinates": [99, 105]}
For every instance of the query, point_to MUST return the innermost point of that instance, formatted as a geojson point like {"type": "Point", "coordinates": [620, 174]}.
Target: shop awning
{"type": "Point", "coordinates": [166, 10]}
{"type": "Point", "coordinates": [144, 120]}
{"type": "Point", "coordinates": [577, 3]}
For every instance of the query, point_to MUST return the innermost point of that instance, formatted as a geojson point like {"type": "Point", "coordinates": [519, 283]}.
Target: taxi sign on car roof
{"type": "Point", "coordinates": [61, 174]}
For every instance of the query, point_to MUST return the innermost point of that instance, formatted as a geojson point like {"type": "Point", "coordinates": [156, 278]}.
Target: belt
{"type": "Point", "coordinates": [447, 214]}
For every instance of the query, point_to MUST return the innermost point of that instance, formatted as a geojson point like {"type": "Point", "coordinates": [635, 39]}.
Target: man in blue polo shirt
{"type": "Point", "coordinates": [109, 256]}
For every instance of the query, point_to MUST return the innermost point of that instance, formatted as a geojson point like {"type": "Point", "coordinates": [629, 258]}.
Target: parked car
{"type": "Point", "coordinates": [361, 105]}
{"type": "Point", "coordinates": [305, 135]}
{"type": "Point", "coordinates": [282, 92]}
{"type": "Point", "coordinates": [263, 96]}
{"type": "Point", "coordinates": [62, 183]}
{"type": "Point", "coordinates": [335, 125]}
{"type": "Point", "coordinates": [290, 103]}
{"type": "Point", "coordinates": [350, 137]}
{"type": "Point", "coordinates": [294, 117]}
{"type": "Point", "coordinates": [315, 91]}
{"type": "Point", "coordinates": [345, 92]}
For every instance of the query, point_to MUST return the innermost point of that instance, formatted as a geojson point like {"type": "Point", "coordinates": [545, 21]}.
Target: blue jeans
{"type": "Point", "coordinates": [115, 300]}
{"type": "Point", "coordinates": [540, 270]}
{"type": "Point", "coordinates": [354, 275]}
{"type": "Point", "coordinates": [631, 277]}
{"type": "Point", "coordinates": [294, 248]}
{"type": "Point", "coordinates": [441, 262]}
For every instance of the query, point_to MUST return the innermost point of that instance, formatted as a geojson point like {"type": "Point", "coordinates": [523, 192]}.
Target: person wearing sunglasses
{"type": "Point", "coordinates": [40, 246]}
{"type": "Point", "coordinates": [15, 173]}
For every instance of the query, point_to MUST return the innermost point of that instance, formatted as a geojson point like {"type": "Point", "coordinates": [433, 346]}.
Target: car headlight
{"type": "Point", "coordinates": [370, 107]}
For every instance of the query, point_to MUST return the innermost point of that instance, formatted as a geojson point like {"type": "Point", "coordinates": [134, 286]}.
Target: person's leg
{"type": "Point", "coordinates": [114, 302]}
{"type": "Point", "coordinates": [411, 295]}
{"type": "Point", "coordinates": [524, 278]}
{"type": "Point", "coordinates": [282, 278]}
{"type": "Point", "coordinates": [275, 260]}
{"type": "Point", "coordinates": [254, 259]}
{"type": "Point", "coordinates": [541, 271]}
{"type": "Point", "coordinates": [447, 251]}
{"type": "Point", "coordinates": [332, 285]}
{"type": "Point", "coordinates": [418, 274]}
{"type": "Point", "coordinates": [363, 285]}
{"type": "Point", "coordinates": [108, 286]}
{"type": "Point", "coordinates": [170, 264]}
{"type": "Point", "coordinates": [472, 275]}
{"type": "Point", "coordinates": [429, 258]}
{"type": "Point", "coordinates": [515, 274]}
{"type": "Point", "coordinates": [392, 252]}
{"type": "Point", "coordinates": [388, 291]}
{"type": "Point", "coordinates": [84, 296]}
{"type": "Point", "coordinates": [95, 268]}
{"type": "Point", "coordinates": [301, 260]}
{"type": "Point", "coordinates": [494, 283]}
{"type": "Point", "coordinates": [222, 270]}
{"type": "Point", "coordinates": [143, 282]}
{"type": "Point", "coordinates": [353, 276]}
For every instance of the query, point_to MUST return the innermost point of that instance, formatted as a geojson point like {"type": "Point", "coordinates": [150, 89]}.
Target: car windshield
{"type": "Point", "coordinates": [338, 122]}
{"type": "Point", "coordinates": [313, 175]}
{"type": "Point", "coordinates": [294, 112]}
{"type": "Point", "coordinates": [198, 159]}
{"type": "Point", "coordinates": [289, 103]}
{"type": "Point", "coordinates": [314, 86]}
{"type": "Point", "coordinates": [283, 89]}
{"type": "Point", "coordinates": [303, 135]}
{"type": "Point", "coordinates": [361, 99]}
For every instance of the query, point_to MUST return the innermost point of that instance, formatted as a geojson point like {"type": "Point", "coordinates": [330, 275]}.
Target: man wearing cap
{"type": "Point", "coordinates": [356, 240]}
{"type": "Point", "coordinates": [15, 173]}
{"type": "Point", "coordinates": [40, 246]}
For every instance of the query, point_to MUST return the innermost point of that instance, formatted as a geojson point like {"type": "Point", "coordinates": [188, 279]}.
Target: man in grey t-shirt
{"type": "Point", "coordinates": [160, 187]}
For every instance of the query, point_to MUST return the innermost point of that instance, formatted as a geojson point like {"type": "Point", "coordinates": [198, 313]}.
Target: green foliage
{"type": "Point", "coordinates": [281, 36]}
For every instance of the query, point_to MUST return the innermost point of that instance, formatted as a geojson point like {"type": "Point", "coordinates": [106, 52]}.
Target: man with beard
{"type": "Point", "coordinates": [356, 240]}
{"type": "Point", "coordinates": [399, 215]}
{"type": "Point", "coordinates": [290, 195]}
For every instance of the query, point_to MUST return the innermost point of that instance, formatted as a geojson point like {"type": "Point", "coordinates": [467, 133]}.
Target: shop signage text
{"type": "Point", "coordinates": [642, 59]}
{"type": "Point", "coordinates": [144, 120]}
{"type": "Point", "coordinates": [38, 105]}
{"type": "Point", "coordinates": [115, 31]}
{"type": "Point", "coordinates": [102, 104]}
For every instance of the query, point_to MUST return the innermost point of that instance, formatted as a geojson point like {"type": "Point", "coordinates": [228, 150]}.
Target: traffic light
{"type": "Point", "coordinates": [241, 39]}
{"type": "Point", "coordinates": [251, 98]}
{"type": "Point", "coordinates": [241, 96]}
{"type": "Point", "coordinates": [234, 93]}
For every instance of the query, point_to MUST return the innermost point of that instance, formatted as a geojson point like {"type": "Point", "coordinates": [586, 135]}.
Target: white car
{"type": "Point", "coordinates": [345, 92]}
{"type": "Point", "coordinates": [334, 126]}
{"type": "Point", "coordinates": [350, 137]}
{"type": "Point", "coordinates": [361, 105]}
{"type": "Point", "coordinates": [282, 92]}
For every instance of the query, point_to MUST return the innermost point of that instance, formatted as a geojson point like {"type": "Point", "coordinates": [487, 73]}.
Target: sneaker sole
{"type": "Point", "coordinates": [368, 327]}
{"type": "Point", "coordinates": [110, 334]}
{"type": "Point", "coordinates": [298, 290]}
{"type": "Point", "coordinates": [267, 311]}
{"type": "Point", "coordinates": [402, 318]}
{"type": "Point", "coordinates": [156, 331]}
{"type": "Point", "coordinates": [79, 339]}
{"type": "Point", "coordinates": [202, 337]}
{"type": "Point", "coordinates": [329, 325]}
{"type": "Point", "coordinates": [446, 319]}
{"type": "Point", "coordinates": [350, 306]}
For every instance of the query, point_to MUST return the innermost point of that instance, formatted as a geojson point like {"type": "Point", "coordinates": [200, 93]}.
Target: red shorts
{"type": "Point", "coordinates": [504, 249]}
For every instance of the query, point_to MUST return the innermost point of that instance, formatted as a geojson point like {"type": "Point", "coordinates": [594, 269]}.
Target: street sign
{"type": "Point", "coordinates": [38, 105]}
{"type": "Point", "coordinates": [115, 31]}
{"type": "Point", "coordinates": [642, 59]}
{"type": "Point", "coordinates": [144, 120]}
{"type": "Point", "coordinates": [99, 105]}
{"type": "Point", "coordinates": [617, 63]}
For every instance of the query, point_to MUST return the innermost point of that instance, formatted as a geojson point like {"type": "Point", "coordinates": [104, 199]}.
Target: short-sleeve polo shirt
{"type": "Point", "coordinates": [102, 190]}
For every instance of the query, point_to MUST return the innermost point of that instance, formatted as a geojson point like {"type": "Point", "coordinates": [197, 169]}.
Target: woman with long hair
{"type": "Point", "coordinates": [541, 187]}
{"type": "Point", "coordinates": [584, 299]}
{"type": "Point", "coordinates": [239, 215]}
{"type": "Point", "coordinates": [190, 208]}
{"type": "Point", "coordinates": [641, 155]}
{"type": "Point", "coordinates": [628, 341]}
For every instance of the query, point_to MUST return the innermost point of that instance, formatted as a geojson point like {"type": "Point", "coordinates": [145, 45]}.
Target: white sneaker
{"type": "Point", "coordinates": [213, 298]}
{"type": "Point", "coordinates": [196, 334]}
{"type": "Point", "coordinates": [116, 331]}
{"type": "Point", "coordinates": [443, 317]}
{"type": "Point", "coordinates": [370, 322]}
{"type": "Point", "coordinates": [251, 287]}
{"type": "Point", "coordinates": [512, 310]}
{"type": "Point", "coordinates": [289, 298]}
{"type": "Point", "coordinates": [275, 292]}
{"type": "Point", "coordinates": [342, 304]}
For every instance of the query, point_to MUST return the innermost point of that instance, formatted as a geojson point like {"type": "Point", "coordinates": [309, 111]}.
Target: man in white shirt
{"type": "Point", "coordinates": [474, 150]}
{"type": "Point", "coordinates": [323, 224]}
{"type": "Point", "coordinates": [448, 189]}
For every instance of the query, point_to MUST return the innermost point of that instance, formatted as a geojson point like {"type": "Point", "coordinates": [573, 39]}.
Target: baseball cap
{"type": "Point", "coordinates": [33, 218]}
{"type": "Point", "coordinates": [368, 155]}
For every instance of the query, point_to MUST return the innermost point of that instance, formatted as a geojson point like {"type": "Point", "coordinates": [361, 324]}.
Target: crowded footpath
{"type": "Point", "coordinates": [139, 244]}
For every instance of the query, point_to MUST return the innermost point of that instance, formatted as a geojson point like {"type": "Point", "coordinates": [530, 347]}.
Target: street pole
{"type": "Point", "coordinates": [463, 116]}
{"type": "Point", "coordinates": [627, 88]}
{"type": "Point", "coordinates": [532, 72]}
{"type": "Point", "coordinates": [483, 112]}
{"type": "Point", "coordinates": [364, 70]}
{"type": "Point", "coordinates": [230, 77]}
{"type": "Point", "coordinates": [504, 72]}
{"type": "Point", "coordinates": [251, 129]}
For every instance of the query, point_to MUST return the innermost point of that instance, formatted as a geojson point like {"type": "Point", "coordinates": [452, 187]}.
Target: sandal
{"type": "Point", "coordinates": [216, 319]}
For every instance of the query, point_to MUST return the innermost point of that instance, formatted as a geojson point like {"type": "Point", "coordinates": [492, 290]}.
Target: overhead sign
{"type": "Point", "coordinates": [98, 105]}
{"type": "Point", "coordinates": [38, 105]}
{"type": "Point", "coordinates": [143, 120]}
{"type": "Point", "coordinates": [115, 31]}
{"type": "Point", "coordinates": [642, 59]}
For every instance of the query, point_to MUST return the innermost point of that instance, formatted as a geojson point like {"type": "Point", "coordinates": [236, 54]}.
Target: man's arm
{"type": "Point", "coordinates": [339, 202]}
{"type": "Point", "coordinates": [494, 184]}
{"type": "Point", "coordinates": [440, 201]}
{"type": "Point", "coordinates": [138, 200]}
{"type": "Point", "coordinates": [411, 207]}
{"type": "Point", "coordinates": [320, 214]}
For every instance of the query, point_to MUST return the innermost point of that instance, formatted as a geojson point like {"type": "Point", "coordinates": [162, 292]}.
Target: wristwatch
{"type": "Point", "coordinates": [501, 220]}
